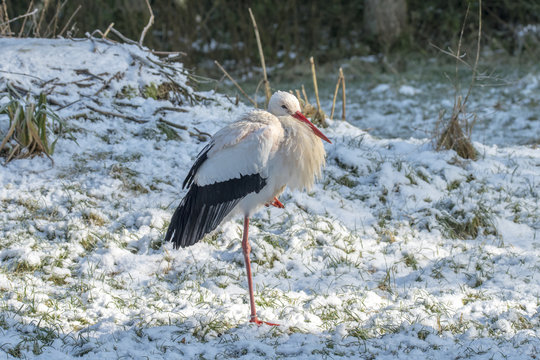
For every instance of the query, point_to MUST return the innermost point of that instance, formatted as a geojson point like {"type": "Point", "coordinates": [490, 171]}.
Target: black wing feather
{"type": "Point", "coordinates": [204, 207]}
{"type": "Point", "coordinates": [201, 158]}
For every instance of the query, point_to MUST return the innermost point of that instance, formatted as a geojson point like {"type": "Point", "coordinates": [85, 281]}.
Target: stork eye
{"type": "Point", "coordinates": [284, 107]}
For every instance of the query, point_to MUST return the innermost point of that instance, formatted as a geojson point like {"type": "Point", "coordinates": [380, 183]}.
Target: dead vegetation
{"type": "Point", "coordinates": [32, 125]}
{"type": "Point", "coordinates": [43, 19]}
{"type": "Point", "coordinates": [454, 132]}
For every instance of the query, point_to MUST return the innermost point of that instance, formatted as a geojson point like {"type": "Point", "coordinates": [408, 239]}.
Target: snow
{"type": "Point", "coordinates": [398, 251]}
{"type": "Point", "coordinates": [408, 90]}
{"type": "Point", "coordinates": [506, 105]}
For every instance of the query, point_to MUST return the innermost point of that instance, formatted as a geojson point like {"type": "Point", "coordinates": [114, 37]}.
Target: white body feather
{"type": "Point", "coordinates": [281, 149]}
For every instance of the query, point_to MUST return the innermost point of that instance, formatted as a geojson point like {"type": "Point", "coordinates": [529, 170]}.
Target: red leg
{"type": "Point", "coordinates": [247, 249]}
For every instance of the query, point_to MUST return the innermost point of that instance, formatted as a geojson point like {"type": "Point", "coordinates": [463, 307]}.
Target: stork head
{"type": "Point", "coordinates": [282, 104]}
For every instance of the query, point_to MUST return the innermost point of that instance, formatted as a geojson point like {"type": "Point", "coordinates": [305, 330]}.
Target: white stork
{"type": "Point", "coordinates": [248, 164]}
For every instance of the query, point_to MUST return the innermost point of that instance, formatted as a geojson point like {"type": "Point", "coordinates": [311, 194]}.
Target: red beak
{"type": "Point", "coordinates": [298, 115]}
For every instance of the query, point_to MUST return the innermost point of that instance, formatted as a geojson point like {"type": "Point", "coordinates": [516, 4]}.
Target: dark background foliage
{"type": "Point", "coordinates": [329, 30]}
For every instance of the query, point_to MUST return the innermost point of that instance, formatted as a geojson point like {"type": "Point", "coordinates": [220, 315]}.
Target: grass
{"type": "Point", "coordinates": [94, 218]}
{"type": "Point", "coordinates": [346, 181]}
{"type": "Point", "coordinates": [459, 224]}
{"type": "Point", "coordinates": [410, 261]}
{"type": "Point", "coordinates": [128, 177]}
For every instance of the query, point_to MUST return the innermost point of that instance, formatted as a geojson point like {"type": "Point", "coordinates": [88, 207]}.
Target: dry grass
{"type": "Point", "coordinates": [30, 127]}
{"type": "Point", "coordinates": [456, 132]}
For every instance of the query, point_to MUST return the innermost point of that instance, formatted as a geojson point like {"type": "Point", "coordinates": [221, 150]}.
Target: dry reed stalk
{"type": "Point", "coordinates": [69, 20]}
{"type": "Point", "coordinates": [149, 25]}
{"type": "Point", "coordinates": [305, 96]}
{"type": "Point", "coordinates": [258, 87]}
{"type": "Point", "coordinates": [54, 21]}
{"type": "Point", "coordinates": [37, 27]}
{"type": "Point", "coordinates": [26, 18]}
{"type": "Point", "coordinates": [3, 11]}
{"type": "Point", "coordinates": [6, 21]}
{"type": "Point", "coordinates": [335, 97]}
{"type": "Point", "coordinates": [235, 83]}
{"type": "Point", "coordinates": [299, 97]}
{"type": "Point", "coordinates": [267, 91]}
{"type": "Point", "coordinates": [314, 74]}
{"type": "Point", "coordinates": [319, 117]}
{"type": "Point", "coordinates": [107, 31]}
{"type": "Point", "coordinates": [343, 91]}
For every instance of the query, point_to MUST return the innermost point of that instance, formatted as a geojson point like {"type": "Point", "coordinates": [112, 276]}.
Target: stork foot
{"type": "Point", "coordinates": [276, 203]}
{"type": "Point", "coordinates": [260, 322]}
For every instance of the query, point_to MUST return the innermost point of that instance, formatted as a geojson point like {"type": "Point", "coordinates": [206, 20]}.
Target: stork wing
{"type": "Point", "coordinates": [242, 148]}
{"type": "Point", "coordinates": [232, 166]}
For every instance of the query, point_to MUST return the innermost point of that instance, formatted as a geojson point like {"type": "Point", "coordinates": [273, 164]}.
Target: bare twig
{"type": "Point", "coordinates": [459, 44]}
{"type": "Point", "coordinates": [118, 75]}
{"type": "Point", "coordinates": [149, 25]}
{"type": "Point", "coordinates": [475, 66]}
{"type": "Point", "coordinates": [69, 20]}
{"type": "Point", "coordinates": [235, 83]}
{"type": "Point", "coordinates": [23, 74]}
{"type": "Point", "coordinates": [19, 17]}
{"type": "Point", "coordinates": [109, 113]}
{"type": "Point", "coordinates": [128, 104]}
{"type": "Point", "coordinates": [181, 127]}
{"type": "Point", "coordinates": [168, 108]}
{"type": "Point", "coordinates": [168, 53]}
{"type": "Point", "coordinates": [202, 132]}
{"type": "Point", "coordinates": [449, 53]}
{"type": "Point", "coordinates": [261, 54]}
{"type": "Point", "coordinates": [125, 39]}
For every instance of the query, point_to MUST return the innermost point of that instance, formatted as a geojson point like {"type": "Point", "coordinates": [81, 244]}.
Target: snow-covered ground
{"type": "Point", "coordinates": [507, 105]}
{"type": "Point", "coordinates": [399, 251]}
